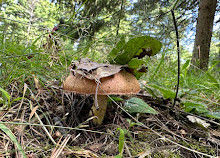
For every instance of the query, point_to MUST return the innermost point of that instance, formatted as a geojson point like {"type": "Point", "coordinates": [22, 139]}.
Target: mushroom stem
{"type": "Point", "coordinates": [102, 101]}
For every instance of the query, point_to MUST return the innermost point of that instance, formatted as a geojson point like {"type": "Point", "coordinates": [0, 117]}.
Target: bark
{"type": "Point", "coordinates": [204, 28]}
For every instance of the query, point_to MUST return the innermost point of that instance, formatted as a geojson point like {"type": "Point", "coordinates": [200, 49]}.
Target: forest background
{"type": "Point", "coordinates": [30, 50]}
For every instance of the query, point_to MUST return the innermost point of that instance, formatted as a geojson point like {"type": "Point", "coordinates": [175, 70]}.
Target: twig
{"type": "Point", "coordinates": [178, 53]}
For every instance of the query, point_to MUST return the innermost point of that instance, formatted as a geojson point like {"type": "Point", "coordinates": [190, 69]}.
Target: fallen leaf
{"type": "Point", "coordinates": [93, 70]}
{"type": "Point", "coordinates": [106, 71]}
{"type": "Point", "coordinates": [88, 65]}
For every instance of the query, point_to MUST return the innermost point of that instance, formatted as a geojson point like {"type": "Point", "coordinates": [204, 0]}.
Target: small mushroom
{"type": "Point", "coordinates": [121, 83]}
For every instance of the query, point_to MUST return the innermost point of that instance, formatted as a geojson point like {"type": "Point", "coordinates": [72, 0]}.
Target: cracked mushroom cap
{"type": "Point", "coordinates": [121, 83]}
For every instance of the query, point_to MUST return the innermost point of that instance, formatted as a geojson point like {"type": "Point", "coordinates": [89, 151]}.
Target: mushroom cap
{"type": "Point", "coordinates": [120, 83]}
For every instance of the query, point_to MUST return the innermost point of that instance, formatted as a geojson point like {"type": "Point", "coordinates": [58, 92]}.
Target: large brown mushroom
{"type": "Point", "coordinates": [121, 83]}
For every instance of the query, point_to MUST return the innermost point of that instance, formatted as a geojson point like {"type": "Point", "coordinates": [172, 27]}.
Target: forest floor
{"type": "Point", "coordinates": [50, 123]}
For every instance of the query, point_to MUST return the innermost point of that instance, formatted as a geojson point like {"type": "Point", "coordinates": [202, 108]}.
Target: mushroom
{"type": "Point", "coordinates": [121, 83]}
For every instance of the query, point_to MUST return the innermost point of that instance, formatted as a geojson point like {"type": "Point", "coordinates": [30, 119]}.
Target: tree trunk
{"type": "Point", "coordinates": [204, 27]}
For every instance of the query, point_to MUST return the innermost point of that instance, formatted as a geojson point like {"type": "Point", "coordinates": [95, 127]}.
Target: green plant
{"type": "Point", "coordinates": [131, 123]}
{"type": "Point", "coordinates": [200, 109]}
{"type": "Point", "coordinates": [137, 105]}
{"type": "Point", "coordinates": [133, 52]}
{"type": "Point", "coordinates": [13, 138]}
{"type": "Point", "coordinates": [121, 142]}
{"type": "Point", "coordinates": [6, 99]}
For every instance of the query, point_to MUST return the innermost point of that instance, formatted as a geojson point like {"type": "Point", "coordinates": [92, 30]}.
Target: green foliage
{"type": "Point", "coordinates": [131, 123]}
{"type": "Point", "coordinates": [134, 47]}
{"type": "Point", "coordinates": [150, 91]}
{"type": "Point", "coordinates": [115, 99]}
{"type": "Point", "coordinates": [195, 107]}
{"type": "Point", "coordinates": [137, 105]}
{"type": "Point", "coordinates": [158, 67]}
{"type": "Point", "coordinates": [20, 27]}
{"type": "Point", "coordinates": [13, 139]}
{"type": "Point", "coordinates": [132, 53]}
{"type": "Point", "coordinates": [121, 142]}
{"type": "Point", "coordinates": [201, 109]}
{"type": "Point", "coordinates": [167, 93]}
{"type": "Point", "coordinates": [213, 79]}
{"type": "Point", "coordinates": [135, 63]}
{"type": "Point", "coordinates": [215, 115]}
{"type": "Point", "coordinates": [6, 99]}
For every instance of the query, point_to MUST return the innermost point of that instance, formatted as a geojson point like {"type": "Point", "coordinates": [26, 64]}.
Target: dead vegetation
{"type": "Point", "coordinates": [50, 123]}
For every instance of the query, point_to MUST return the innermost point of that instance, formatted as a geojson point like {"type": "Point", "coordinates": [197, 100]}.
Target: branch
{"type": "Point", "coordinates": [178, 53]}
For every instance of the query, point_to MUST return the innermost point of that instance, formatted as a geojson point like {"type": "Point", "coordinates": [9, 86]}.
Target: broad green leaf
{"type": "Point", "coordinates": [136, 65]}
{"type": "Point", "coordinates": [167, 93]}
{"type": "Point", "coordinates": [118, 156]}
{"type": "Point", "coordinates": [215, 115]}
{"type": "Point", "coordinates": [13, 138]}
{"type": "Point", "coordinates": [201, 109]}
{"type": "Point", "coordinates": [134, 47]}
{"type": "Point", "coordinates": [198, 108]}
{"type": "Point", "coordinates": [137, 105]}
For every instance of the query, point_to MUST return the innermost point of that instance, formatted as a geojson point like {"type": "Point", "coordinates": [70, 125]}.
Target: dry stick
{"type": "Point", "coordinates": [178, 53]}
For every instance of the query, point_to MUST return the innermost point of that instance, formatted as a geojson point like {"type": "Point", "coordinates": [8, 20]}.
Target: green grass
{"type": "Point", "coordinates": [197, 85]}
{"type": "Point", "coordinates": [48, 65]}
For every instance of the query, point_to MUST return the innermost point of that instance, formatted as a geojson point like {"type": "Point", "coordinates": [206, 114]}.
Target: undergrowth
{"type": "Point", "coordinates": [42, 69]}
